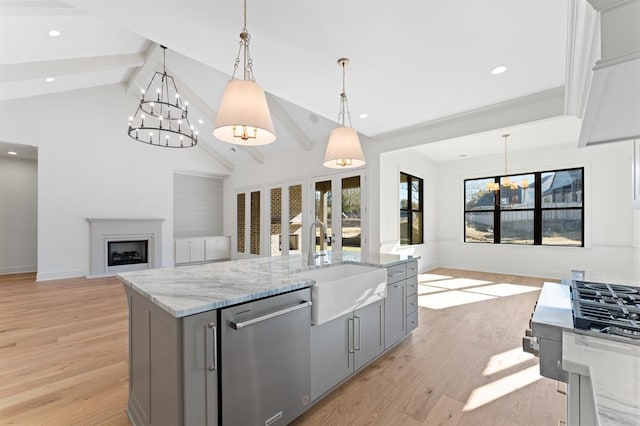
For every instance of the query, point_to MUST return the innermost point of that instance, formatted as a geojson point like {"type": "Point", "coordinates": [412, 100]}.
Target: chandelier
{"type": "Point", "coordinates": [506, 182]}
{"type": "Point", "coordinates": [343, 149]}
{"type": "Point", "coordinates": [243, 117]}
{"type": "Point", "coordinates": [161, 117]}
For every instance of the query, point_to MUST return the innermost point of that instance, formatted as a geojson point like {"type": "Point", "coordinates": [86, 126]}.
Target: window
{"type": "Point", "coordinates": [539, 208]}
{"type": "Point", "coordinates": [411, 208]}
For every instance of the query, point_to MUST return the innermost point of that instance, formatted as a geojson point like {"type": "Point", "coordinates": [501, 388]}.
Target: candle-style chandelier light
{"type": "Point", "coordinates": [162, 115]}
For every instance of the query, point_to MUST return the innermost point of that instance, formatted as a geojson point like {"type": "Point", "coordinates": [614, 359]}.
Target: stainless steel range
{"type": "Point", "coordinates": [597, 310]}
{"type": "Point", "coordinates": [608, 310]}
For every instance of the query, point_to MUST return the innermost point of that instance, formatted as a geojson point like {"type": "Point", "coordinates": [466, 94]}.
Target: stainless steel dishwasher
{"type": "Point", "coordinates": [265, 360]}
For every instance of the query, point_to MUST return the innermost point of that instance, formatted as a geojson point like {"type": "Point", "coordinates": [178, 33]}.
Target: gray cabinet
{"type": "Point", "coordinates": [401, 304]}
{"type": "Point", "coordinates": [395, 316]}
{"type": "Point", "coordinates": [200, 369]}
{"type": "Point", "coordinates": [342, 346]}
{"type": "Point", "coordinates": [172, 366]}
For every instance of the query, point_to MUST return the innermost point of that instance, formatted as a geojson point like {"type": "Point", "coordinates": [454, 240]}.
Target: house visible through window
{"type": "Point", "coordinates": [411, 210]}
{"type": "Point", "coordinates": [540, 208]}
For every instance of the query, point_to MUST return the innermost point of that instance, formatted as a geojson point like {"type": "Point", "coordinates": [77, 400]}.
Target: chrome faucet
{"type": "Point", "coordinates": [311, 260]}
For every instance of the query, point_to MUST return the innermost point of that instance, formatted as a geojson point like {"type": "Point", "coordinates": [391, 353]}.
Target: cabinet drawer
{"type": "Point", "coordinates": [396, 273]}
{"type": "Point", "coordinates": [412, 322]}
{"type": "Point", "coordinates": [412, 285]}
{"type": "Point", "coordinates": [412, 304]}
{"type": "Point", "coordinates": [412, 269]}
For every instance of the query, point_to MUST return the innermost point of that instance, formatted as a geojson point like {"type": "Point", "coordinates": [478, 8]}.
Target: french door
{"type": "Point", "coordinates": [338, 201]}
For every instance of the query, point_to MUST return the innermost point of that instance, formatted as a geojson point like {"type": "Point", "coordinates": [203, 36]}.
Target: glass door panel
{"type": "Point", "coordinates": [275, 224]}
{"type": "Point", "coordinates": [351, 216]}
{"type": "Point", "coordinates": [254, 246]}
{"type": "Point", "coordinates": [295, 219]}
{"type": "Point", "coordinates": [240, 212]}
{"type": "Point", "coordinates": [323, 205]}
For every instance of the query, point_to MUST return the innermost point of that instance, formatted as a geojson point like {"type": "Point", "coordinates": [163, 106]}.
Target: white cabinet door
{"type": "Point", "coordinates": [181, 251]}
{"type": "Point", "coordinates": [217, 248]}
{"type": "Point", "coordinates": [197, 250]}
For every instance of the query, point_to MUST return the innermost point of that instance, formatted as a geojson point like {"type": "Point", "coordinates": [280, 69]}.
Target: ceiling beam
{"type": "Point", "coordinates": [216, 155]}
{"type": "Point", "coordinates": [152, 57]}
{"type": "Point", "coordinates": [253, 152]}
{"type": "Point", "coordinates": [286, 120]}
{"type": "Point", "coordinates": [37, 7]}
{"type": "Point", "coordinates": [41, 70]}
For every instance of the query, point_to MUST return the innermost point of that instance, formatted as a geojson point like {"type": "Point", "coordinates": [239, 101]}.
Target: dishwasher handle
{"type": "Point", "coordinates": [239, 325]}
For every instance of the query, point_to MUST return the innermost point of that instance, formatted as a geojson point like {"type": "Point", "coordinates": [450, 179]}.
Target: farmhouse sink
{"type": "Point", "coordinates": [340, 289]}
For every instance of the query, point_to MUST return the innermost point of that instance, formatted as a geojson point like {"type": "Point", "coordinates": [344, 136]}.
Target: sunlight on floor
{"type": "Point", "coordinates": [490, 392]}
{"type": "Point", "coordinates": [446, 292]}
{"type": "Point", "coordinates": [506, 360]}
{"type": "Point", "coordinates": [448, 299]}
{"type": "Point", "coordinates": [502, 290]}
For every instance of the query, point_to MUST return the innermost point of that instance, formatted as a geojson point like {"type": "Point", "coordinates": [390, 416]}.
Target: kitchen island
{"type": "Point", "coordinates": [183, 370]}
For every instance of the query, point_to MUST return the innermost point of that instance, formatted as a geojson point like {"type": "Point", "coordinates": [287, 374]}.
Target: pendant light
{"type": "Point", "coordinates": [243, 117]}
{"type": "Point", "coordinates": [344, 150]}
{"type": "Point", "coordinates": [506, 182]}
{"type": "Point", "coordinates": [162, 115]}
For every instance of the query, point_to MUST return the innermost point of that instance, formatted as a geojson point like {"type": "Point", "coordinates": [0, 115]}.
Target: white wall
{"type": "Point", "coordinates": [391, 164]}
{"type": "Point", "coordinates": [18, 215]}
{"type": "Point", "coordinates": [197, 206]}
{"type": "Point", "coordinates": [89, 167]}
{"type": "Point", "coordinates": [608, 214]}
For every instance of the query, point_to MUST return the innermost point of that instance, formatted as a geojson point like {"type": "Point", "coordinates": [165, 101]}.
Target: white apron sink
{"type": "Point", "coordinates": [343, 288]}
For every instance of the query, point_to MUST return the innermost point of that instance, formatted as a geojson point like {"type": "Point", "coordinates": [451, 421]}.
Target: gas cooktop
{"type": "Point", "coordinates": [608, 309]}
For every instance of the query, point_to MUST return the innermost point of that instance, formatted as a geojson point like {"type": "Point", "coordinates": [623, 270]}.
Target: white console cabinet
{"type": "Point", "coordinates": [202, 249]}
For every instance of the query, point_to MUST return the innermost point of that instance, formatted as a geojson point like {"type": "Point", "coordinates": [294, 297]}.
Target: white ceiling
{"type": "Point", "coordinates": [412, 61]}
{"type": "Point", "coordinates": [521, 138]}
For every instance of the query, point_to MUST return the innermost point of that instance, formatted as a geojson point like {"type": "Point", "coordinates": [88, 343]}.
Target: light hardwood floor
{"type": "Point", "coordinates": [63, 358]}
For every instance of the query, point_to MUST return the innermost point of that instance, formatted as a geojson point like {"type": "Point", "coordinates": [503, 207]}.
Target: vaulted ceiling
{"type": "Point", "coordinates": [412, 61]}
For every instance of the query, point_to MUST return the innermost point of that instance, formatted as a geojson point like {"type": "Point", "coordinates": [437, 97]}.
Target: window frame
{"type": "Point", "coordinates": [538, 209]}
{"type": "Point", "coordinates": [410, 210]}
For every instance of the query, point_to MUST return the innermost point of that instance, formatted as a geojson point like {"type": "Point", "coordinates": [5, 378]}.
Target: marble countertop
{"type": "Point", "coordinates": [614, 369]}
{"type": "Point", "coordinates": [188, 290]}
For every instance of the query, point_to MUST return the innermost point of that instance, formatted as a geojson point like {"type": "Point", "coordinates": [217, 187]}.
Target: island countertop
{"type": "Point", "coordinates": [188, 290]}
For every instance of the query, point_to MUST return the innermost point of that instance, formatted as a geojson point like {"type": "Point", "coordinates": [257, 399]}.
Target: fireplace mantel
{"type": "Point", "coordinates": [104, 230]}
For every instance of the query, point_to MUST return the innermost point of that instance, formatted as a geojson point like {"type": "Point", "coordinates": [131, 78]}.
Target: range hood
{"type": "Point", "coordinates": [612, 111]}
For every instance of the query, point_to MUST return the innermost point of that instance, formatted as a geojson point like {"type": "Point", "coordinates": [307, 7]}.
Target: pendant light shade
{"type": "Point", "coordinates": [343, 149]}
{"type": "Point", "coordinates": [244, 115]}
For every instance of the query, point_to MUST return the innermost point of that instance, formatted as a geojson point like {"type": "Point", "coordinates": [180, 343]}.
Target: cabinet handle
{"type": "Point", "coordinates": [350, 333]}
{"type": "Point", "coordinates": [239, 325]}
{"type": "Point", "coordinates": [381, 323]}
{"type": "Point", "coordinates": [396, 274]}
{"type": "Point", "coordinates": [212, 348]}
{"type": "Point", "coordinates": [396, 286]}
{"type": "Point", "coordinates": [357, 348]}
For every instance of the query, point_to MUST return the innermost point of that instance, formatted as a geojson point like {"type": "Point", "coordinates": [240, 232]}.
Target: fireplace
{"type": "Point", "coordinates": [121, 245]}
{"type": "Point", "coordinates": [127, 252]}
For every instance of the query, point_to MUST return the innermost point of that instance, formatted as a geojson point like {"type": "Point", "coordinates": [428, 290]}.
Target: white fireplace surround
{"type": "Point", "coordinates": [105, 230]}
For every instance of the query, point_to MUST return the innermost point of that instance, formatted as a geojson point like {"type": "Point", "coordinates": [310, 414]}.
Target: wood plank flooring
{"type": "Point", "coordinates": [63, 358]}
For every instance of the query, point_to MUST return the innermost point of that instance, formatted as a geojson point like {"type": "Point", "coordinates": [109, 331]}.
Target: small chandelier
{"type": "Point", "coordinates": [243, 117]}
{"type": "Point", "coordinates": [161, 117]}
{"type": "Point", "coordinates": [506, 182]}
{"type": "Point", "coordinates": [343, 149]}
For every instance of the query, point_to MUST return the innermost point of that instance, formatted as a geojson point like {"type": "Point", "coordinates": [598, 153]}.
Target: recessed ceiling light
{"type": "Point", "coordinates": [364, 115]}
{"type": "Point", "coordinates": [200, 121]}
{"type": "Point", "coordinates": [12, 153]}
{"type": "Point", "coordinates": [314, 118]}
{"type": "Point", "coordinates": [54, 33]}
{"type": "Point", "coordinates": [462, 155]}
{"type": "Point", "coordinates": [499, 70]}
{"type": "Point", "coordinates": [49, 79]}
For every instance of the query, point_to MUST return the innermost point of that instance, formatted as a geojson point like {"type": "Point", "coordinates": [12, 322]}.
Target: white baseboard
{"type": "Point", "coordinates": [6, 270]}
{"type": "Point", "coordinates": [48, 276]}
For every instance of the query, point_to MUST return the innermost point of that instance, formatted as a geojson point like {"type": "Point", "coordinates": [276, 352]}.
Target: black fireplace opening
{"type": "Point", "coordinates": [127, 252]}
